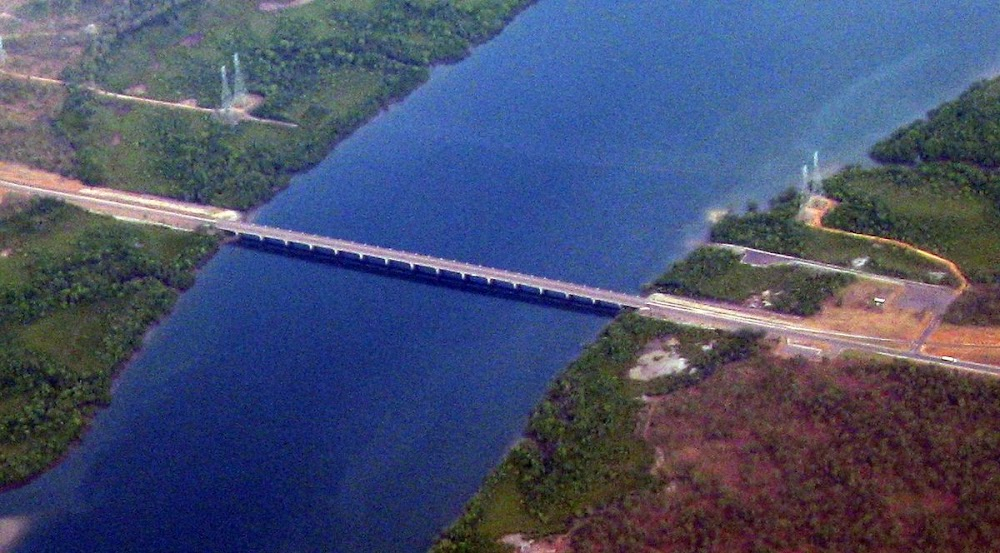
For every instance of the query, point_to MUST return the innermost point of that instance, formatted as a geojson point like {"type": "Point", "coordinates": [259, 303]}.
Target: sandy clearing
{"type": "Point", "coordinates": [22, 174]}
{"type": "Point", "coordinates": [857, 314]}
{"type": "Point", "coordinates": [814, 209]}
{"type": "Point", "coordinates": [969, 343]}
{"type": "Point", "coordinates": [553, 544]}
{"type": "Point", "coordinates": [659, 358]}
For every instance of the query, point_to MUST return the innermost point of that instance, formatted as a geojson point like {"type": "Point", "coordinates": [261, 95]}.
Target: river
{"type": "Point", "coordinates": [289, 405]}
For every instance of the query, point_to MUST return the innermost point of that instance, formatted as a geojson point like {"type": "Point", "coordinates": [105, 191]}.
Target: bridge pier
{"type": "Point", "coordinates": [397, 261]}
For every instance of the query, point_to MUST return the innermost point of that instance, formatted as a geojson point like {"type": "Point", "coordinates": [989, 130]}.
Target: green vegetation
{"type": "Point", "coordinates": [185, 155]}
{"type": "Point", "coordinates": [965, 130]}
{"type": "Point", "coordinates": [580, 450]}
{"type": "Point", "coordinates": [77, 293]}
{"type": "Point", "coordinates": [950, 209]}
{"type": "Point", "coordinates": [778, 231]}
{"type": "Point", "coordinates": [979, 306]}
{"type": "Point", "coordinates": [778, 455]}
{"type": "Point", "coordinates": [327, 66]}
{"type": "Point", "coordinates": [719, 274]}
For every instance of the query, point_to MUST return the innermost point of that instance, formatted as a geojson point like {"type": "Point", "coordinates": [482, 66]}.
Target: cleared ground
{"type": "Point", "coordinates": [905, 314]}
{"type": "Point", "coordinates": [973, 343]}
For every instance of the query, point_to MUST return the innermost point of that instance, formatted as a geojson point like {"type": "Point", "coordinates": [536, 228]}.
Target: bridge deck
{"type": "Point", "coordinates": [682, 310]}
{"type": "Point", "coordinates": [446, 267]}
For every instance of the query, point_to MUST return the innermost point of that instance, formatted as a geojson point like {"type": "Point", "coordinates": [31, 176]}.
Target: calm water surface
{"type": "Point", "coordinates": [294, 406]}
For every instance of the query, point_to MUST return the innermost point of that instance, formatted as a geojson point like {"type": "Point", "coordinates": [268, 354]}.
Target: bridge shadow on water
{"type": "Point", "coordinates": [430, 279]}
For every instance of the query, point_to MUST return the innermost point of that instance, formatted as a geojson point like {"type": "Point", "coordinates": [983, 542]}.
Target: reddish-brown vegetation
{"type": "Point", "coordinates": [779, 455]}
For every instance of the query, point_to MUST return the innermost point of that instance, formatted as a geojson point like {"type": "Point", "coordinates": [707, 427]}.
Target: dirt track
{"type": "Point", "coordinates": [240, 114]}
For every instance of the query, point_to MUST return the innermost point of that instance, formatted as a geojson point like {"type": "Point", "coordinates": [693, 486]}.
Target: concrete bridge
{"type": "Point", "coordinates": [425, 264]}
{"type": "Point", "coordinates": [162, 211]}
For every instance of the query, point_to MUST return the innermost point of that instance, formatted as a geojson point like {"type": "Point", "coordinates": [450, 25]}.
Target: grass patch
{"type": "Point", "coordinates": [778, 231]}
{"type": "Point", "coordinates": [883, 259]}
{"type": "Point", "coordinates": [951, 210]}
{"type": "Point", "coordinates": [717, 273]}
{"type": "Point", "coordinates": [70, 337]}
{"type": "Point", "coordinates": [27, 134]}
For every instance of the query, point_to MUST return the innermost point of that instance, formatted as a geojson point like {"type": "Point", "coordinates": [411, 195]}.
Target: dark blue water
{"type": "Point", "coordinates": [293, 406]}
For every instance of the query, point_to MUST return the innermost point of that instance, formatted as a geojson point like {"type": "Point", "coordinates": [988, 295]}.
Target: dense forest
{"type": "Point", "coordinates": [780, 455]}
{"type": "Point", "coordinates": [77, 293]}
{"type": "Point", "coordinates": [965, 130]}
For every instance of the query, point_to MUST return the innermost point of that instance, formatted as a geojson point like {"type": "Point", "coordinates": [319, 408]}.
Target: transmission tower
{"type": "Point", "coordinates": [227, 93]}
{"type": "Point", "coordinates": [239, 81]}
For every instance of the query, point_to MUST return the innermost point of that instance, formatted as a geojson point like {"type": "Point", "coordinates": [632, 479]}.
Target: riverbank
{"type": "Point", "coordinates": [120, 132]}
{"type": "Point", "coordinates": [278, 384]}
{"type": "Point", "coordinates": [349, 64]}
{"type": "Point", "coordinates": [79, 293]}
{"type": "Point", "coordinates": [711, 474]}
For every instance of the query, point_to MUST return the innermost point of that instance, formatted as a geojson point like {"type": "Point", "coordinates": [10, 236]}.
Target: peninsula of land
{"type": "Point", "coordinates": [669, 438]}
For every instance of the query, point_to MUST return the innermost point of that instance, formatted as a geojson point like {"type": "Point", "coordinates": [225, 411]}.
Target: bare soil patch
{"type": "Point", "coordinates": [249, 102]}
{"type": "Point", "coordinates": [970, 343]}
{"type": "Point", "coordinates": [21, 174]}
{"type": "Point", "coordinates": [659, 358]}
{"type": "Point", "coordinates": [855, 311]}
{"type": "Point", "coordinates": [814, 209]}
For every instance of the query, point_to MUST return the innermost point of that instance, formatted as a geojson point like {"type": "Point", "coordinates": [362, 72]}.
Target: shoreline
{"type": "Point", "coordinates": [250, 214]}
{"type": "Point", "coordinates": [116, 372]}
{"type": "Point", "coordinates": [496, 494]}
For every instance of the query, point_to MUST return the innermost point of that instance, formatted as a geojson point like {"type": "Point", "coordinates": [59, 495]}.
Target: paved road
{"type": "Point", "coordinates": [379, 254]}
{"type": "Point", "coordinates": [178, 219]}
{"type": "Point", "coordinates": [661, 306]}
{"type": "Point", "coordinates": [753, 256]}
{"type": "Point", "coordinates": [917, 296]}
